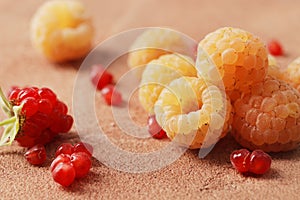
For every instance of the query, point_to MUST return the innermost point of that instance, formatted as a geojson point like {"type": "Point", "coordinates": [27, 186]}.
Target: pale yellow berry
{"type": "Point", "coordinates": [240, 57]}
{"type": "Point", "coordinates": [153, 43]}
{"type": "Point", "coordinates": [159, 73]}
{"type": "Point", "coordinates": [62, 30]}
{"type": "Point", "coordinates": [188, 108]}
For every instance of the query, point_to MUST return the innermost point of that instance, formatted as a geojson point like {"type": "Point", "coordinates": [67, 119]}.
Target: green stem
{"type": "Point", "coordinates": [8, 121]}
{"type": "Point", "coordinates": [6, 135]}
{"type": "Point", "coordinates": [12, 126]}
{"type": "Point", "coordinates": [4, 99]}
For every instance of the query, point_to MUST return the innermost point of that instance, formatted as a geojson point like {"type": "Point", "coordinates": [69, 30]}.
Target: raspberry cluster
{"type": "Point", "coordinates": [36, 116]}
{"type": "Point", "coordinates": [265, 104]}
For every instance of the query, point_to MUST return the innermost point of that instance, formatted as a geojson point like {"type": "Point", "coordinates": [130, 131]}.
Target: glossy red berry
{"type": "Point", "coordinates": [82, 163]}
{"type": "Point", "coordinates": [240, 159]}
{"type": "Point", "coordinates": [111, 95]}
{"type": "Point", "coordinates": [260, 162]}
{"type": "Point", "coordinates": [36, 155]}
{"type": "Point", "coordinates": [61, 158]}
{"type": "Point", "coordinates": [64, 174]}
{"type": "Point", "coordinates": [64, 148]}
{"type": "Point", "coordinates": [84, 147]}
{"type": "Point", "coordinates": [100, 77]}
{"type": "Point", "coordinates": [154, 129]}
{"type": "Point", "coordinates": [275, 48]}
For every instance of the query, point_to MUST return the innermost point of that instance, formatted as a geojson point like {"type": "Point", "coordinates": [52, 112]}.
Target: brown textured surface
{"type": "Point", "coordinates": [188, 177]}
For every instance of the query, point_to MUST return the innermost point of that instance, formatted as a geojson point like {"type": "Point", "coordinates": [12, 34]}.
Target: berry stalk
{"type": "Point", "coordinates": [11, 124]}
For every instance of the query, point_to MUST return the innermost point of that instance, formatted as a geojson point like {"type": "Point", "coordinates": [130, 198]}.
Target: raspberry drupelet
{"type": "Point", "coordinates": [267, 117]}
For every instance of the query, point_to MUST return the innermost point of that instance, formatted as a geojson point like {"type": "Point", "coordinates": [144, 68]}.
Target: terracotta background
{"type": "Point", "coordinates": [188, 177]}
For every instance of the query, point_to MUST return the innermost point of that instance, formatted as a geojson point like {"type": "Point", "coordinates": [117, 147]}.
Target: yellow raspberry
{"type": "Point", "coordinates": [274, 68]}
{"type": "Point", "coordinates": [292, 73]}
{"type": "Point", "coordinates": [188, 108]}
{"type": "Point", "coordinates": [153, 43]}
{"type": "Point", "coordinates": [61, 30]}
{"type": "Point", "coordinates": [159, 73]}
{"type": "Point", "coordinates": [240, 57]}
{"type": "Point", "coordinates": [268, 117]}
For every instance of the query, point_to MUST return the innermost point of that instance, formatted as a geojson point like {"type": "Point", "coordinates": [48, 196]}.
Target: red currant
{"type": "Point", "coordinates": [81, 163]}
{"type": "Point", "coordinates": [260, 162]}
{"type": "Point", "coordinates": [84, 147]}
{"type": "Point", "coordinates": [61, 158]}
{"type": "Point", "coordinates": [111, 95]}
{"type": "Point", "coordinates": [275, 48]}
{"type": "Point", "coordinates": [64, 174]}
{"type": "Point", "coordinates": [36, 155]}
{"type": "Point", "coordinates": [100, 77]}
{"type": "Point", "coordinates": [154, 129]}
{"type": "Point", "coordinates": [240, 159]}
{"type": "Point", "coordinates": [65, 148]}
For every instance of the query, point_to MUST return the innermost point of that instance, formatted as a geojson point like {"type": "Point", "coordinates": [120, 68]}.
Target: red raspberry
{"type": "Point", "coordinates": [275, 48]}
{"type": "Point", "coordinates": [36, 155]}
{"type": "Point", "coordinates": [36, 114]}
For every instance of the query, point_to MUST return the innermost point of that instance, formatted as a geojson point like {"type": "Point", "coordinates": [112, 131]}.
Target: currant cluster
{"type": "Point", "coordinates": [257, 162]}
{"type": "Point", "coordinates": [36, 116]}
{"type": "Point", "coordinates": [103, 80]}
{"type": "Point", "coordinates": [71, 162]}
